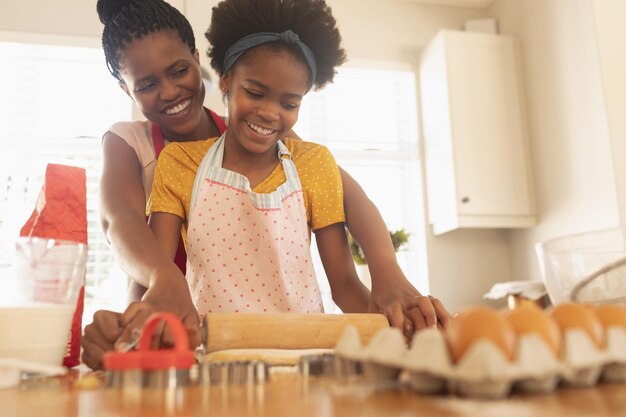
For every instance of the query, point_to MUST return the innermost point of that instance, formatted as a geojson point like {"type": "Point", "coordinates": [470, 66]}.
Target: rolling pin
{"type": "Point", "coordinates": [284, 330]}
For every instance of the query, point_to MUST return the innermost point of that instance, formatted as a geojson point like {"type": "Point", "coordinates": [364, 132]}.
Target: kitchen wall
{"type": "Point", "coordinates": [611, 37]}
{"type": "Point", "coordinates": [571, 140]}
{"type": "Point", "coordinates": [61, 17]}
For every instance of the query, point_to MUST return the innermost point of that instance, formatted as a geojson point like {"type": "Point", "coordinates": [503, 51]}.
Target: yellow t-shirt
{"type": "Point", "coordinates": [321, 182]}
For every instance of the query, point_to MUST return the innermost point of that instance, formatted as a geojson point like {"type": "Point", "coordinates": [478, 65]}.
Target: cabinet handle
{"type": "Point", "coordinates": [465, 200]}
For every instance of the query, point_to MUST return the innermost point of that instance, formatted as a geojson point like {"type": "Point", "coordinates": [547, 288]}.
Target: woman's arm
{"type": "Point", "coordinates": [135, 291]}
{"type": "Point", "coordinates": [122, 208]}
{"type": "Point", "coordinates": [350, 295]}
{"type": "Point", "coordinates": [165, 294]}
{"type": "Point", "coordinates": [139, 252]}
{"type": "Point", "coordinates": [392, 293]}
{"type": "Point", "coordinates": [123, 214]}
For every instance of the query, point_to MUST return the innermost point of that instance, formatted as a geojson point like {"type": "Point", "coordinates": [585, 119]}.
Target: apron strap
{"type": "Point", "coordinates": [219, 122]}
{"type": "Point", "coordinates": [212, 165]}
{"type": "Point", "coordinates": [203, 169]}
{"type": "Point", "coordinates": [157, 140]}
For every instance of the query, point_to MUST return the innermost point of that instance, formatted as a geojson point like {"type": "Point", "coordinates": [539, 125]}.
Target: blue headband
{"type": "Point", "coordinates": [248, 42]}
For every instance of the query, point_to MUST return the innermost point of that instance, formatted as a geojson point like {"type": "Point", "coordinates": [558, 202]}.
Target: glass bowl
{"type": "Point", "coordinates": [586, 267]}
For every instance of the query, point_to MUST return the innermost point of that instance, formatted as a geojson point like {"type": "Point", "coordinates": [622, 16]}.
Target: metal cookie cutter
{"type": "Point", "coordinates": [232, 373]}
{"type": "Point", "coordinates": [167, 368]}
{"type": "Point", "coordinates": [324, 365]}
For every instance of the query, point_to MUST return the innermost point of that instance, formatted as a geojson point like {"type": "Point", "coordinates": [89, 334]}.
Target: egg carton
{"type": "Point", "coordinates": [484, 371]}
{"type": "Point", "coordinates": [615, 368]}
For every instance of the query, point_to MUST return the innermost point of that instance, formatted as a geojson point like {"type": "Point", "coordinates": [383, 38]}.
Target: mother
{"type": "Point", "coordinates": [163, 79]}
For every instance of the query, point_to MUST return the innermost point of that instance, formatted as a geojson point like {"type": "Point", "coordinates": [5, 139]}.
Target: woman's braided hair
{"type": "Point", "coordinates": [127, 20]}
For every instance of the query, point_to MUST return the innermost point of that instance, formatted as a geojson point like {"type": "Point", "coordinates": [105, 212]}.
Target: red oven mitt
{"type": "Point", "coordinates": [61, 213]}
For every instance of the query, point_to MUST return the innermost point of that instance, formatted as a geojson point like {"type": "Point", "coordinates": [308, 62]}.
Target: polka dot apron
{"type": "Point", "coordinates": [249, 252]}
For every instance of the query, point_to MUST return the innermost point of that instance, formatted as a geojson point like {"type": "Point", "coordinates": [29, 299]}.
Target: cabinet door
{"type": "Point", "coordinates": [487, 125]}
{"type": "Point", "coordinates": [439, 161]}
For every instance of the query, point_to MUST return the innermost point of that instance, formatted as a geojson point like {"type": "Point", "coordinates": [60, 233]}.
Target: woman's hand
{"type": "Point", "coordinates": [120, 331]}
{"type": "Point", "coordinates": [168, 296]}
{"type": "Point", "coordinates": [100, 336]}
{"type": "Point", "coordinates": [167, 291]}
{"type": "Point", "coordinates": [406, 308]}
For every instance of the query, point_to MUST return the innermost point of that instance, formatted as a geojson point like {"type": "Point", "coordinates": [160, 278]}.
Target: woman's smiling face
{"type": "Point", "coordinates": [162, 76]}
{"type": "Point", "coordinates": [264, 91]}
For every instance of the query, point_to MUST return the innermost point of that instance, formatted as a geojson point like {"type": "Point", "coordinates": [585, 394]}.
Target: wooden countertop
{"type": "Point", "coordinates": [59, 397]}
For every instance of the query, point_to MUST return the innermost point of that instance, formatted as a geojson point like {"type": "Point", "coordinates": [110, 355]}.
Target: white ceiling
{"type": "Point", "coordinates": [474, 4]}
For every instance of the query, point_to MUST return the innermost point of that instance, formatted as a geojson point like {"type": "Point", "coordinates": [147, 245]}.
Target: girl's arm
{"type": "Point", "coordinates": [392, 293]}
{"type": "Point", "coordinates": [350, 295]}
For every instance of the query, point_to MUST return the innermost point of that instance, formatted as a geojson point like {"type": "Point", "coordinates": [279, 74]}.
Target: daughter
{"type": "Point", "coordinates": [248, 199]}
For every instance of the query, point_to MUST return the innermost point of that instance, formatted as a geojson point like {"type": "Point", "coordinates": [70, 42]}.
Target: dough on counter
{"type": "Point", "coordinates": [269, 356]}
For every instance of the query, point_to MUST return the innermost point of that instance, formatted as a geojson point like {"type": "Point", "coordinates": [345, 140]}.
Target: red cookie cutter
{"type": "Point", "coordinates": [180, 357]}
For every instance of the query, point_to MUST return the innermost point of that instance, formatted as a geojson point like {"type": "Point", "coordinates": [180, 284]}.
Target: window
{"type": "Point", "coordinates": [57, 103]}
{"type": "Point", "coordinates": [368, 119]}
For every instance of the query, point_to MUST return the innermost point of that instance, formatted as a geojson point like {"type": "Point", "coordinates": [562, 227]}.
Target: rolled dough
{"type": "Point", "coordinates": [269, 356]}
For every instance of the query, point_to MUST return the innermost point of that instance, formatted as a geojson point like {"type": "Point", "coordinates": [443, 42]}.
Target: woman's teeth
{"type": "Point", "coordinates": [259, 129]}
{"type": "Point", "coordinates": [178, 108]}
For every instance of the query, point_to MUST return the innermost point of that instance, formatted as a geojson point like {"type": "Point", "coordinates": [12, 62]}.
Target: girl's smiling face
{"type": "Point", "coordinates": [264, 91]}
{"type": "Point", "coordinates": [162, 76]}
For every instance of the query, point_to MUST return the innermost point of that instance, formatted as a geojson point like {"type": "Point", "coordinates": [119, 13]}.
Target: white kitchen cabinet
{"type": "Point", "coordinates": [475, 139]}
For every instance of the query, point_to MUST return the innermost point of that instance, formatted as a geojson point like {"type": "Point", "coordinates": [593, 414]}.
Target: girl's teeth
{"type": "Point", "coordinates": [177, 109]}
{"type": "Point", "coordinates": [260, 129]}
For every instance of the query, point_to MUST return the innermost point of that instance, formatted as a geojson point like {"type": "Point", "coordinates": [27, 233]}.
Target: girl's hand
{"type": "Point", "coordinates": [407, 309]}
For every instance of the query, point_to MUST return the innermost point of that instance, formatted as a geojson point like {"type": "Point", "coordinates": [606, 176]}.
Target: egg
{"type": "Point", "coordinates": [531, 319]}
{"type": "Point", "coordinates": [611, 315]}
{"type": "Point", "coordinates": [578, 316]}
{"type": "Point", "coordinates": [479, 323]}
